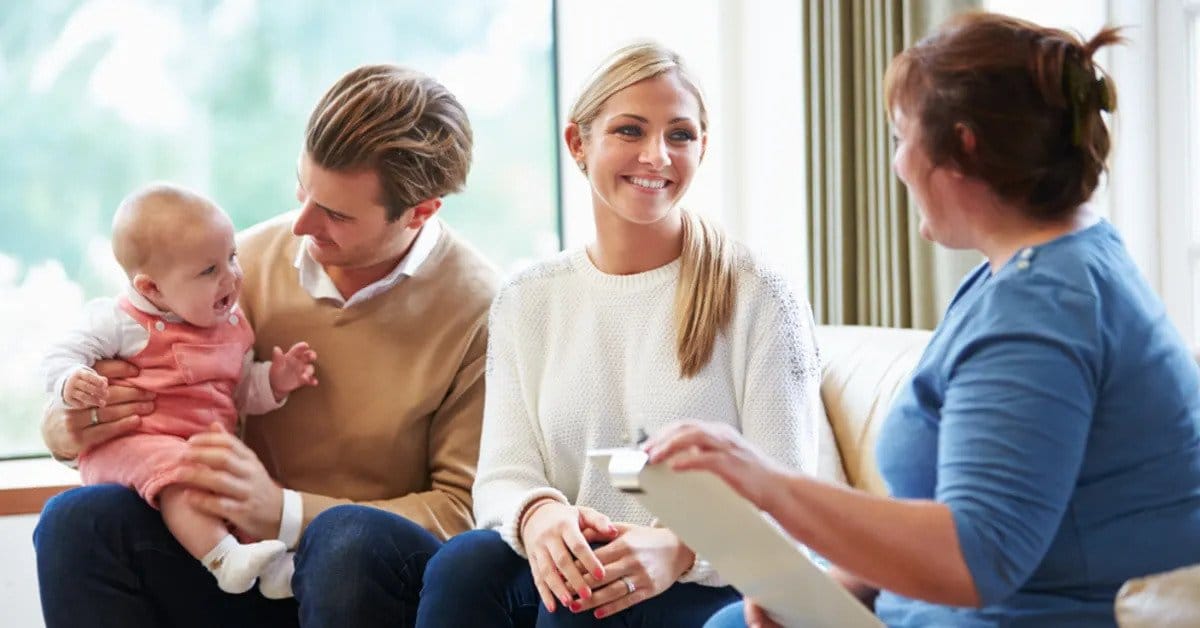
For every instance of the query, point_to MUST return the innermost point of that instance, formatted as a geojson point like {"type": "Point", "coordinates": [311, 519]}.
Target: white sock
{"type": "Point", "coordinates": [276, 580]}
{"type": "Point", "coordinates": [237, 566]}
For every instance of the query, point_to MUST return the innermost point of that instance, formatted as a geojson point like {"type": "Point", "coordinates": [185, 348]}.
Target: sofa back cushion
{"type": "Point", "coordinates": [864, 368]}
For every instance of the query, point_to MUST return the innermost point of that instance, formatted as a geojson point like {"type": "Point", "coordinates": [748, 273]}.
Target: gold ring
{"type": "Point", "coordinates": [95, 416]}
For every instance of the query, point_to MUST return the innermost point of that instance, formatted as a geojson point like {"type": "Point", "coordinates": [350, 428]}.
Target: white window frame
{"type": "Point", "coordinates": [1177, 170]}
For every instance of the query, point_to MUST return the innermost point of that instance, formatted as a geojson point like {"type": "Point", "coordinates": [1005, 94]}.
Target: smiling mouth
{"type": "Point", "coordinates": [223, 303]}
{"type": "Point", "coordinates": [649, 185]}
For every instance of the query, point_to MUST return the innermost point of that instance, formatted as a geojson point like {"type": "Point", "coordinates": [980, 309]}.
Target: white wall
{"type": "Point", "coordinates": [19, 605]}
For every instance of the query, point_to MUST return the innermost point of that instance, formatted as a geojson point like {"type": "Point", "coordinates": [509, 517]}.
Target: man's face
{"type": "Point", "coordinates": [342, 215]}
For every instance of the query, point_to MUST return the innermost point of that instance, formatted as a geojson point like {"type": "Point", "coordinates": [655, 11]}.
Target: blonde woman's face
{"type": "Point", "coordinates": [643, 149]}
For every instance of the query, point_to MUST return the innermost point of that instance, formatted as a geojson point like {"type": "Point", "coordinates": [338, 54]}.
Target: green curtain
{"type": "Point", "coordinates": [867, 264]}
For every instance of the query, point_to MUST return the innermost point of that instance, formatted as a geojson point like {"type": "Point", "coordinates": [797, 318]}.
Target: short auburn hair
{"type": "Point", "coordinates": [1032, 96]}
{"type": "Point", "coordinates": [403, 124]}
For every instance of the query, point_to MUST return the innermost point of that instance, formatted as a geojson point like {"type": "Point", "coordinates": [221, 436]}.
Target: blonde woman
{"type": "Point", "coordinates": [661, 317]}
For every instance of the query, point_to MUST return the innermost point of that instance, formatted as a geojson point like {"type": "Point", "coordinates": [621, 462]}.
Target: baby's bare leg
{"type": "Point", "coordinates": [205, 537]}
{"type": "Point", "coordinates": [197, 531]}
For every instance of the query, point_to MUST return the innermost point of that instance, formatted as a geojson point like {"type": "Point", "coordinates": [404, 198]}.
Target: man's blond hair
{"type": "Point", "coordinates": [403, 124]}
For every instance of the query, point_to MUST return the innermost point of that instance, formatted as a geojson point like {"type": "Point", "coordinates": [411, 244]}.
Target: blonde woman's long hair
{"type": "Point", "coordinates": [705, 294]}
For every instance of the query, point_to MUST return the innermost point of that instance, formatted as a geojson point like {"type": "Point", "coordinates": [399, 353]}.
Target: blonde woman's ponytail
{"type": "Point", "coordinates": [704, 298]}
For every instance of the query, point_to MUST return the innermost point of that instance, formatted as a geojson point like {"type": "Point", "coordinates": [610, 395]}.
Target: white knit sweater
{"type": "Point", "coordinates": [578, 359]}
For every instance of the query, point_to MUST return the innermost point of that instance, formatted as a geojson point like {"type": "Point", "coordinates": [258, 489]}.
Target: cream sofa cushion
{"type": "Point", "coordinates": [1166, 600]}
{"type": "Point", "coordinates": [863, 369]}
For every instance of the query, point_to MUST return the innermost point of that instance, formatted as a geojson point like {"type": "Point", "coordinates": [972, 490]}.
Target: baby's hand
{"type": "Point", "coordinates": [292, 370]}
{"type": "Point", "coordinates": [85, 389]}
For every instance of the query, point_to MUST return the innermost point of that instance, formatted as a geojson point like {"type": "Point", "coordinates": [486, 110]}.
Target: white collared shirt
{"type": "Point", "coordinates": [317, 283]}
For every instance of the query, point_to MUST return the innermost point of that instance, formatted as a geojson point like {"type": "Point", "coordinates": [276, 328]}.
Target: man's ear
{"type": "Point", "coordinates": [422, 212]}
{"type": "Point", "coordinates": [146, 286]}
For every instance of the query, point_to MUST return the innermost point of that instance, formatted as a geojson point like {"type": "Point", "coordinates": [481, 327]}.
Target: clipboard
{"type": "Point", "coordinates": [746, 546]}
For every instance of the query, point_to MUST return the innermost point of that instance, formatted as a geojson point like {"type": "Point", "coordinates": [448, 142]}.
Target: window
{"type": "Point", "coordinates": [1192, 122]}
{"type": "Point", "coordinates": [98, 97]}
{"type": "Point", "coordinates": [1178, 68]}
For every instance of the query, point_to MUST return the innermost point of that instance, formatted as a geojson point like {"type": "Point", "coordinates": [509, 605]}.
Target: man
{"type": "Point", "coordinates": [379, 458]}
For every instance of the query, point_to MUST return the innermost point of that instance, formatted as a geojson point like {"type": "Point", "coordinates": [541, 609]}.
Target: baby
{"type": "Point", "coordinates": [178, 322]}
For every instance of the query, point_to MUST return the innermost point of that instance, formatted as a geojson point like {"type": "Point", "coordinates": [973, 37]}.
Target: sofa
{"type": "Point", "coordinates": [864, 368]}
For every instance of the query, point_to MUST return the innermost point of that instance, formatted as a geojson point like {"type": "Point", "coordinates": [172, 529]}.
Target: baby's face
{"type": "Point", "coordinates": [202, 281]}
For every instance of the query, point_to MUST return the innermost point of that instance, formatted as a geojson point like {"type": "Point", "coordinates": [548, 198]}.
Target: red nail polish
{"type": "Point", "coordinates": [599, 614]}
{"type": "Point", "coordinates": [584, 593]}
{"type": "Point", "coordinates": [575, 606]}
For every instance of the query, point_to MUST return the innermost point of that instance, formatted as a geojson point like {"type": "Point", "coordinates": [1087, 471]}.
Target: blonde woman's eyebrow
{"type": "Point", "coordinates": [644, 120]}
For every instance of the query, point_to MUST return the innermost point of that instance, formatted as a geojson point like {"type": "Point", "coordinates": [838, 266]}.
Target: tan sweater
{"type": "Point", "coordinates": [395, 420]}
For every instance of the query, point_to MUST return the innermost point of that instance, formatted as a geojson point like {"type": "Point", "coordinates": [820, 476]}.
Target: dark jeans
{"type": "Point", "coordinates": [105, 558]}
{"type": "Point", "coordinates": [477, 580]}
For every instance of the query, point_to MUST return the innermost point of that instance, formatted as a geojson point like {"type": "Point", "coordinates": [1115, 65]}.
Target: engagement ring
{"type": "Point", "coordinates": [629, 583]}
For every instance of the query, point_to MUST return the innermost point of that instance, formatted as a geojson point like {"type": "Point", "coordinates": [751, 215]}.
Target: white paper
{"type": "Point", "coordinates": [743, 544]}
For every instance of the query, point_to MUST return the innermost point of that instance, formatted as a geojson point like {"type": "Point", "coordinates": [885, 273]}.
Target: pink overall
{"type": "Point", "coordinates": [194, 372]}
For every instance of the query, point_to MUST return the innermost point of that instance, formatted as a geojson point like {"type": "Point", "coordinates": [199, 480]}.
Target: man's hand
{"type": "Point", "coordinates": [292, 370]}
{"type": "Point", "coordinates": [233, 484]}
{"type": "Point", "coordinates": [69, 432]}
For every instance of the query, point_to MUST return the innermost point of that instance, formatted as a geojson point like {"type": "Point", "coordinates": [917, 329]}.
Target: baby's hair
{"type": "Point", "coordinates": [147, 220]}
